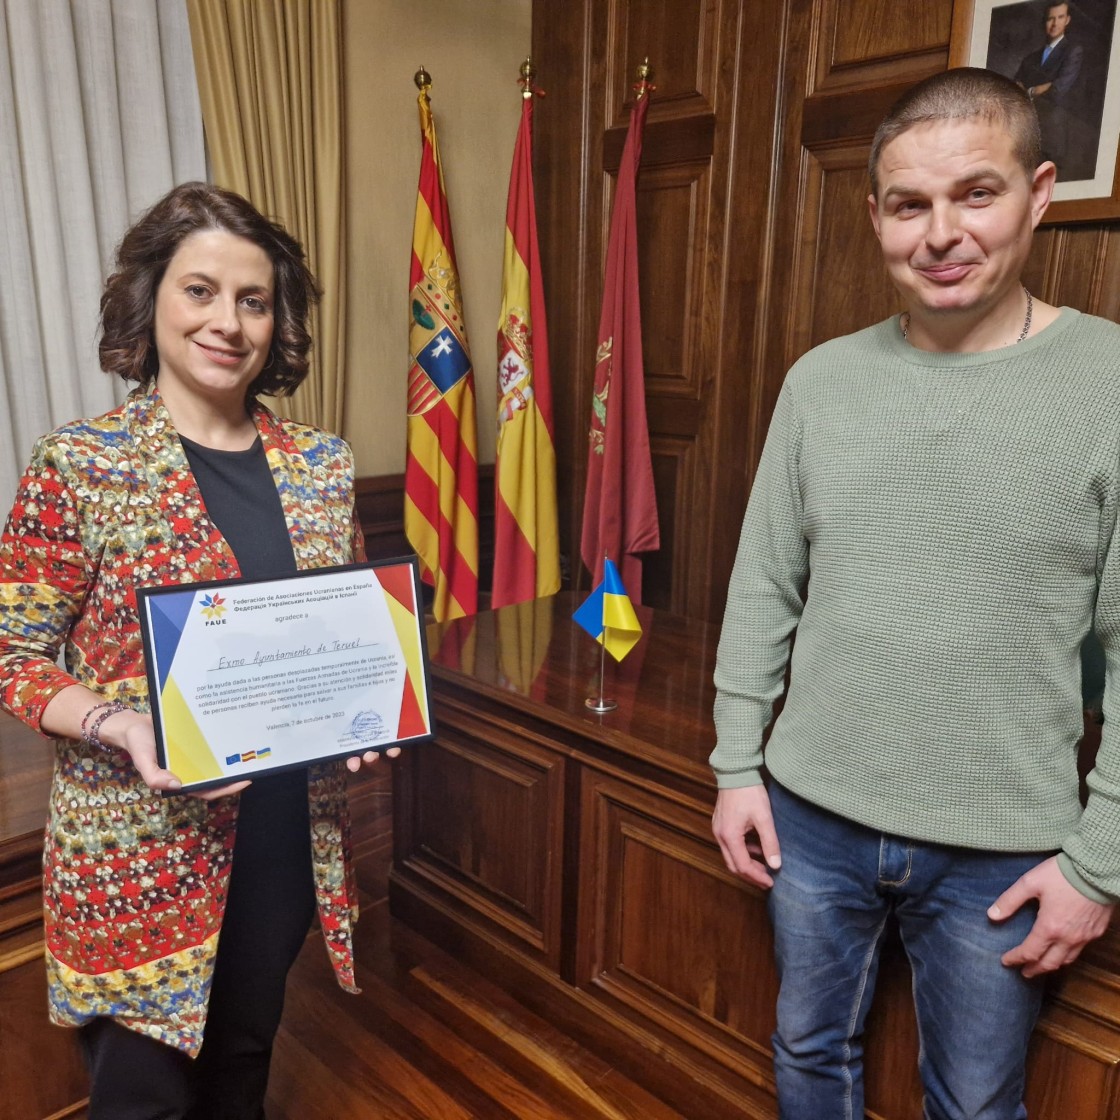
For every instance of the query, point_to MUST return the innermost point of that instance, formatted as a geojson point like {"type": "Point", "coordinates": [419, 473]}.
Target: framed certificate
{"type": "Point", "coordinates": [247, 677]}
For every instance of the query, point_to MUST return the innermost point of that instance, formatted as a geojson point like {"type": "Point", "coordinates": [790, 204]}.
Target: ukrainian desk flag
{"type": "Point", "coordinates": [441, 474]}
{"type": "Point", "coordinates": [608, 615]}
{"type": "Point", "coordinates": [526, 534]}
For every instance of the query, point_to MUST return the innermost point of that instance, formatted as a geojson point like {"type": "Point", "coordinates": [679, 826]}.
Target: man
{"type": "Point", "coordinates": [933, 514]}
{"type": "Point", "coordinates": [1050, 75]}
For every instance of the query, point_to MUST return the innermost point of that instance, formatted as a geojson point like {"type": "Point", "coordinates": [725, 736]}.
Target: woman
{"type": "Point", "coordinates": [190, 480]}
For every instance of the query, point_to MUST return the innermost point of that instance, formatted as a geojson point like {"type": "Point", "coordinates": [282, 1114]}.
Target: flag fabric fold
{"type": "Point", "coordinates": [526, 535]}
{"type": "Point", "coordinates": [620, 506]}
{"type": "Point", "coordinates": [608, 615]}
{"type": "Point", "coordinates": [441, 472]}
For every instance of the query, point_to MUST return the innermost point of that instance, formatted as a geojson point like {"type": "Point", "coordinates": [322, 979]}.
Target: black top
{"type": "Point", "coordinates": [273, 826]}
{"type": "Point", "coordinates": [241, 499]}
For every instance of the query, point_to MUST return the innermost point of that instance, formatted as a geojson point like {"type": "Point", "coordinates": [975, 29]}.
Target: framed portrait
{"type": "Point", "coordinates": [1067, 57]}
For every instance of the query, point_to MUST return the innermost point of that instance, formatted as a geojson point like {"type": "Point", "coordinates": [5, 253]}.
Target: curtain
{"type": "Point", "coordinates": [99, 117]}
{"type": "Point", "coordinates": [270, 81]}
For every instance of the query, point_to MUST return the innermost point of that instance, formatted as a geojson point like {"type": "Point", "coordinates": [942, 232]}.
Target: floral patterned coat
{"type": "Point", "coordinates": [135, 884]}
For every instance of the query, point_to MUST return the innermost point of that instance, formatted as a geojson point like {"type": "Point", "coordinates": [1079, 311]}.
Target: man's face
{"type": "Point", "coordinates": [954, 215]}
{"type": "Point", "coordinates": [1057, 20]}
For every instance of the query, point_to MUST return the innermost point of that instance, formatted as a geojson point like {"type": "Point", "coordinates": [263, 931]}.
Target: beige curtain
{"type": "Point", "coordinates": [270, 82]}
{"type": "Point", "coordinates": [99, 117]}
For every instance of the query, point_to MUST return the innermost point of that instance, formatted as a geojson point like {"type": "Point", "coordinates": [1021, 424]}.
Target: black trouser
{"type": "Point", "coordinates": [269, 910]}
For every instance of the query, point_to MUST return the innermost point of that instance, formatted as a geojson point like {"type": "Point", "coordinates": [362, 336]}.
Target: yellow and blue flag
{"type": "Point", "coordinates": [608, 615]}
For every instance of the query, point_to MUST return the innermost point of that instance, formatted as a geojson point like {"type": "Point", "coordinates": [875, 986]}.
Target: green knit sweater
{"type": "Point", "coordinates": [937, 530]}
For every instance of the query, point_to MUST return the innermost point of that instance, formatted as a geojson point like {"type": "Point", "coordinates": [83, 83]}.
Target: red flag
{"type": "Point", "coordinates": [526, 537]}
{"type": "Point", "coordinates": [620, 507]}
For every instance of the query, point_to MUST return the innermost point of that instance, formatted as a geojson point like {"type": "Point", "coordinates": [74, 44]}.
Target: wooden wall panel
{"type": "Point", "coordinates": [704, 209]}
{"type": "Point", "coordinates": [41, 1069]}
{"type": "Point", "coordinates": [1071, 266]}
{"type": "Point", "coordinates": [677, 37]}
{"type": "Point", "coordinates": [842, 285]}
{"type": "Point", "coordinates": [672, 926]}
{"type": "Point", "coordinates": [569, 49]}
{"type": "Point", "coordinates": [491, 861]}
{"type": "Point", "coordinates": [672, 218]}
{"type": "Point", "coordinates": [1071, 1049]}
{"type": "Point", "coordinates": [868, 42]}
{"type": "Point", "coordinates": [866, 30]}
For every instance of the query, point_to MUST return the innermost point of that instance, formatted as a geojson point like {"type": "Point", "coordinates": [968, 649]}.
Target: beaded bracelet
{"type": "Point", "coordinates": [91, 733]}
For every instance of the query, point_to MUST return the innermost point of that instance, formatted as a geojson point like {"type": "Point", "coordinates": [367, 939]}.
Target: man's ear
{"type": "Point", "coordinates": [873, 210]}
{"type": "Point", "coordinates": [1042, 190]}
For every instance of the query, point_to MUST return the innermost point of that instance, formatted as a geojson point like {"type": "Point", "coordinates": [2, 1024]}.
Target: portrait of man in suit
{"type": "Point", "coordinates": [1060, 52]}
{"type": "Point", "coordinates": [1051, 76]}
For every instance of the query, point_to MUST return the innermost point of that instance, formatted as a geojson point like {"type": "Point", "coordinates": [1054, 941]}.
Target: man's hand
{"type": "Point", "coordinates": [744, 826]}
{"type": "Point", "coordinates": [1067, 921]}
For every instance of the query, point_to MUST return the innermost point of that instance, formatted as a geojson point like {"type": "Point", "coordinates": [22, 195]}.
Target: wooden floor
{"type": "Point", "coordinates": [427, 1039]}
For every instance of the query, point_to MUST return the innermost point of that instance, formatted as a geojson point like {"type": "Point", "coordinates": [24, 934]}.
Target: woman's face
{"type": "Point", "coordinates": [214, 317]}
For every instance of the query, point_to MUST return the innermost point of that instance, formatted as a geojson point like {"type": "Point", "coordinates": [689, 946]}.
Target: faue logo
{"type": "Point", "coordinates": [213, 607]}
{"type": "Point", "coordinates": [248, 756]}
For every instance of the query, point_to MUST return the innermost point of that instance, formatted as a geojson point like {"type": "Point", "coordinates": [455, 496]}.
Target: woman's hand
{"type": "Point", "coordinates": [354, 764]}
{"type": "Point", "coordinates": [134, 733]}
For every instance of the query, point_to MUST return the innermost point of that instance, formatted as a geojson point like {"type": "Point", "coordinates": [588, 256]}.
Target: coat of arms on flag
{"type": "Point", "coordinates": [441, 473]}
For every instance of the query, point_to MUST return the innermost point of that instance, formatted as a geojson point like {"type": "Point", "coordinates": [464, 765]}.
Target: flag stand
{"type": "Point", "coordinates": [600, 703]}
{"type": "Point", "coordinates": [608, 616]}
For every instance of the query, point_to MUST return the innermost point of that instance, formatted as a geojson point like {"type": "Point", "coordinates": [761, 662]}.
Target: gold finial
{"type": "Point", "coordinates": [526, 79]}
{"type": "Point", "coordinates": [643, 85]}
{"type": "Point", "coordinates": [422, 78]}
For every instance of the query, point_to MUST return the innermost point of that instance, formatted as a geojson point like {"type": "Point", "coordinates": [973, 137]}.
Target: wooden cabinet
{"type": "Point", "coordinates": [569, 857]}
{"type": "Point", "coordinates": [41, 1070]}
{"type": "Point", "coordinates": [505, 865]}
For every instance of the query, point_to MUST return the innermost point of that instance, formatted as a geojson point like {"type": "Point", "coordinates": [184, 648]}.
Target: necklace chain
{"type": "Point", "coordinates": [904, 322]}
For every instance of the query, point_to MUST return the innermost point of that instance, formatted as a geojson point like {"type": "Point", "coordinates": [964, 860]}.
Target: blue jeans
{"type": "Point", "coordinates": [838, 884]}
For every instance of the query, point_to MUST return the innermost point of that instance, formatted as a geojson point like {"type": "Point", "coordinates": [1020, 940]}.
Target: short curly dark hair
{"type": "Point", "coordinates": [127, 346]}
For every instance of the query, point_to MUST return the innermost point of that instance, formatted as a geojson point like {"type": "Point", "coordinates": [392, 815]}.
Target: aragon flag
{"type": "Point", "coordinates": [526, 535]}
{"type": "Point", "coordinates": [441, 474]}
{"type": "Point", "coordinates": [620, 506]}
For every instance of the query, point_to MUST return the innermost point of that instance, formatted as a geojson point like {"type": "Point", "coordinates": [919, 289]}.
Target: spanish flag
{"type": "Point", "coordinates": [608, 615]}
{"type": "Point", "coordinates": [441, 474]}
{"type": "Point", "coordinates": [526, 535]}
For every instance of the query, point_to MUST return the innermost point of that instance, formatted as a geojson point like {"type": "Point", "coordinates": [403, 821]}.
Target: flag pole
{"type": "Point", "coordinates": [601, 704]}
{"type": "Point", "coordinates": [644, 85]}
